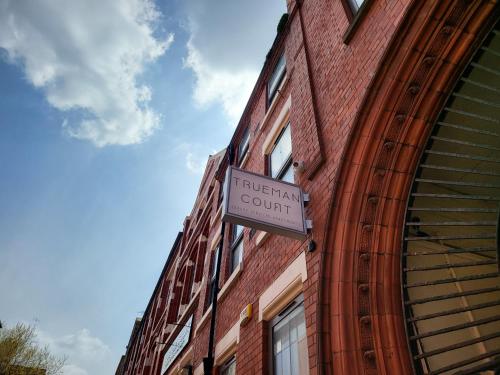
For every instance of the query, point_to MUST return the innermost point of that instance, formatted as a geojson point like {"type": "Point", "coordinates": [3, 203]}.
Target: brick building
{"type": "Point", "coordinates": [387, 113]}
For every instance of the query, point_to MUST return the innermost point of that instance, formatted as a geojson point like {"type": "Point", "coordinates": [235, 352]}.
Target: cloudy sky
{"type": "Point", "coordinates": [108, 110]}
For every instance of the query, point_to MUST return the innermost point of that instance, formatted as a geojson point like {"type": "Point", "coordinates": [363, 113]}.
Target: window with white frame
{"type": "Point", "coordinates": [289, 341]}
{"type": "Point", "coordinates": [243, 146]}
{"type": "Point", "coordinates": [212, 287]}
{"type": "Point", "coordinates": [276, 77]}
{"type": "Point", "coordinates": [280, 157]}
{"type": "Point", "coordinates": [236, 246]}
{"type": "Point", "coordinates": [229, 368]}
{"type": "Point", "coordinates": [220, 197]}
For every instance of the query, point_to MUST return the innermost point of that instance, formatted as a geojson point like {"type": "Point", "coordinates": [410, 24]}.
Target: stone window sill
{"type": "Point", "coordinates": [261, 237]}
{"type": "Point", "coordinates": [203, 320]}
{"type": "Point", "coordinates": [230, 282]}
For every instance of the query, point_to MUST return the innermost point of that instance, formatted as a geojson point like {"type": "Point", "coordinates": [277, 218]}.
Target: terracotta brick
{"type": "Point", "coordinates": [360, 115]}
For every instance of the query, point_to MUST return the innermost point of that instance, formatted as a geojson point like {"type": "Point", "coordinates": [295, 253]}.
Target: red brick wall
{"type": "Point", "coordinates": [335, 91]}
{"type": "Point", "coordinates": [327, 81]}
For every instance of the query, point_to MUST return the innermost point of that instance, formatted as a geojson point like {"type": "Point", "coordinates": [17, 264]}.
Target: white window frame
{"type": "Point", "coordinates": [244, 146]}
{"type": "Point", "coordinates": [211, 283]}
{"type": "Point", "coordinates": [226, 366]}
{"type": "Point", "coordinates": [298, 302]}
{"type": "Point", "coordinates": [275, 79]}
{"type": "Point", "coordinates": [287, 164]}
{"type": "Point", "coordinates": [236, 241]}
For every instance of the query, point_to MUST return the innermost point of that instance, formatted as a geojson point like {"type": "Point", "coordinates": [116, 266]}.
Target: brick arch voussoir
{"type": "Point", "coordinates": [363, 323]}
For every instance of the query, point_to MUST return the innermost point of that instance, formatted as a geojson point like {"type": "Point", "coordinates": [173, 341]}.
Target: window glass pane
{"type": "Point", "coordinates": [302, 357]}
{"type": "Point", "coordinates": [214, 265]}
{"type": "Point", "coordinates": [295, 359]}
{"type": "Point", "coordinates": [285, 336]}
{"type": "Point", "coordinates": [281, 152]}
{"type": "Point", "coordinates": [277, 345]}
{"type": "Point", "coordinates": [356, 4]}
{"type": "Point", "coordinates": [276, 77]}
{"type": "Point", "coordinates": [237, 230]}
{"type": "Point", "coordinates": [210, 294]}
{"type": "Point", "coordinates": [301, 329]}
{"type": "Point", "coordinates": [290, 344]}
{"type": "Point", "coordinates": [293, 331]}
{"type": "Point", "coordinates": [286, 360]}
{"type": "Point", "coordinates": [221, 194]}
{"type": "Point", "coordinates": [287, 175]}
{"type": "Point", "coordinates": [237, 255]}
{"type": "Point", "coordinates": [243, 147]}
{"type": "Point", "coordinates": [278, 369]}
{"type": "Point", "coordinates": [229, 368]}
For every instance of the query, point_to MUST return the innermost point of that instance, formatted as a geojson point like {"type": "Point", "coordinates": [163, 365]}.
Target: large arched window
{"type": "Point", "coordinates": [451, 284]}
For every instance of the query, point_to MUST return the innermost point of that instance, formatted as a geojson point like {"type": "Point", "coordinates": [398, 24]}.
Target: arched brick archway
{"type": "Point", "coordinates": [362, 314]}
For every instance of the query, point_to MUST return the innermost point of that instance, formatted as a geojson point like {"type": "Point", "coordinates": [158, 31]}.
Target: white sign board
{"type": "Point", "coordinates": [264, 203]}
{"type": "Point", "coordinates": [176, 347]}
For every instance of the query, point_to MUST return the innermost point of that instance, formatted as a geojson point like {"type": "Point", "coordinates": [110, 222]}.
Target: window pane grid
{"type": "Point", "coordinates": [276, 77]}
{"type": "Point", "coordinates": [229, 368]}
{"type": "Point", "coordinates": [356, 4]}
{"type": "Point", "coordinates": [286, 173]}
{"type": "Point", "coordinates": [281, 156]}
{"type": "Point", "coordinates": [211, 284]}
{"type": "Point", "coordinates": [237, 231]}
{"type": "Point", "coordinates": [290, 344]}
{"type": "Point", "coordinates": [214, 265]}
{"type": "Point", "coordinates": [243, 147]}
{"type": "Point", "coordinates": [237, 255]}
{"type": "Point", "coordinates": [236, 247]}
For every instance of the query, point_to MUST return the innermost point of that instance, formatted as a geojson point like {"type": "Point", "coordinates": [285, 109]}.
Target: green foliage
{"type": "Point", "coordinates": [20, 354]}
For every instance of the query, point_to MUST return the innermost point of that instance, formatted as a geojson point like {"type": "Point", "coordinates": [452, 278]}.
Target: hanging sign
{"type": "Point", "coordinates": [264, 203]}
{"type": "Point", "coordinates": [176, 347]}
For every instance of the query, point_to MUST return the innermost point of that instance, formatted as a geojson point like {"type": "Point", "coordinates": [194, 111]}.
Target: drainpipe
{"type": "Point", "coordinates": [208, 361]}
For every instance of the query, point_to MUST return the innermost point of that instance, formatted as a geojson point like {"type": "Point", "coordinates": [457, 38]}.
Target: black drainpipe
{"type": "Point", "coordinates": [208, 361]}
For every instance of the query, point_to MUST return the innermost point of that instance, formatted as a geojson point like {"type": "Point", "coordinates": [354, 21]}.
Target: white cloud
{"type": "Point", "coordinates": [196, 156]}
{"type": "Point", "coordinates": [227, 47]}
{"type": "Point", "coordinates": [73, 370]}
{"type": "Point", "coordinates": [195, 164]}
{"type": "Point", "coordinates": [82, 350]}
{"type": "Point", "coordinates": [88, 56]}
{"type": "Point", "coordinates": [213, 84]}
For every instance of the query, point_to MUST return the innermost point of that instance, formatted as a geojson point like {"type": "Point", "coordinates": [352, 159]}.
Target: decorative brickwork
{"type": "Point", "coordinates": [359, 116]}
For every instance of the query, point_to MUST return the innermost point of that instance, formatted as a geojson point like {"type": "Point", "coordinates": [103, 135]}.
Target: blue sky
{"type": "Point", "coordinates": [108, 110]}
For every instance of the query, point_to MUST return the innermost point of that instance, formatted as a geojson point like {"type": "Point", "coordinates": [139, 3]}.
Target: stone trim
{"type": "Point", "coordinates": [279, 124]}
{"type": "Point", "coordinates": [284, 289]}
{"type": "Point", "coordinates": [362, 312]}
{"type": "Point", "coordinates": [227, 345]}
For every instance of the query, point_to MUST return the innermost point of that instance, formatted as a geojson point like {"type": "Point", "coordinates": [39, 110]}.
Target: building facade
{"type": "Point", "coordinates": [387, 113]}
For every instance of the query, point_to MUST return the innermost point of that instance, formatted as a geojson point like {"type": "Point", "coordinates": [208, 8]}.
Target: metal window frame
{"type": "Point", "coordinates": [288, 162]}
{"type": "Point", "coordinates": [211, 280]}
{"type": "Point", "coordinates": [235, 242]}
{"type": "Point", "coordinates": [244, 145]}
{"type": "Point", "coordinates": [352, 8]}
{"type": "Point", "coordinates": [282, 315]}
{"type": "Point", "coordinates": [281, 75]}
{"type": "Point", "coordinates": [228, 364]}
{"type": "Point", "coordinates": [421, 364]}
